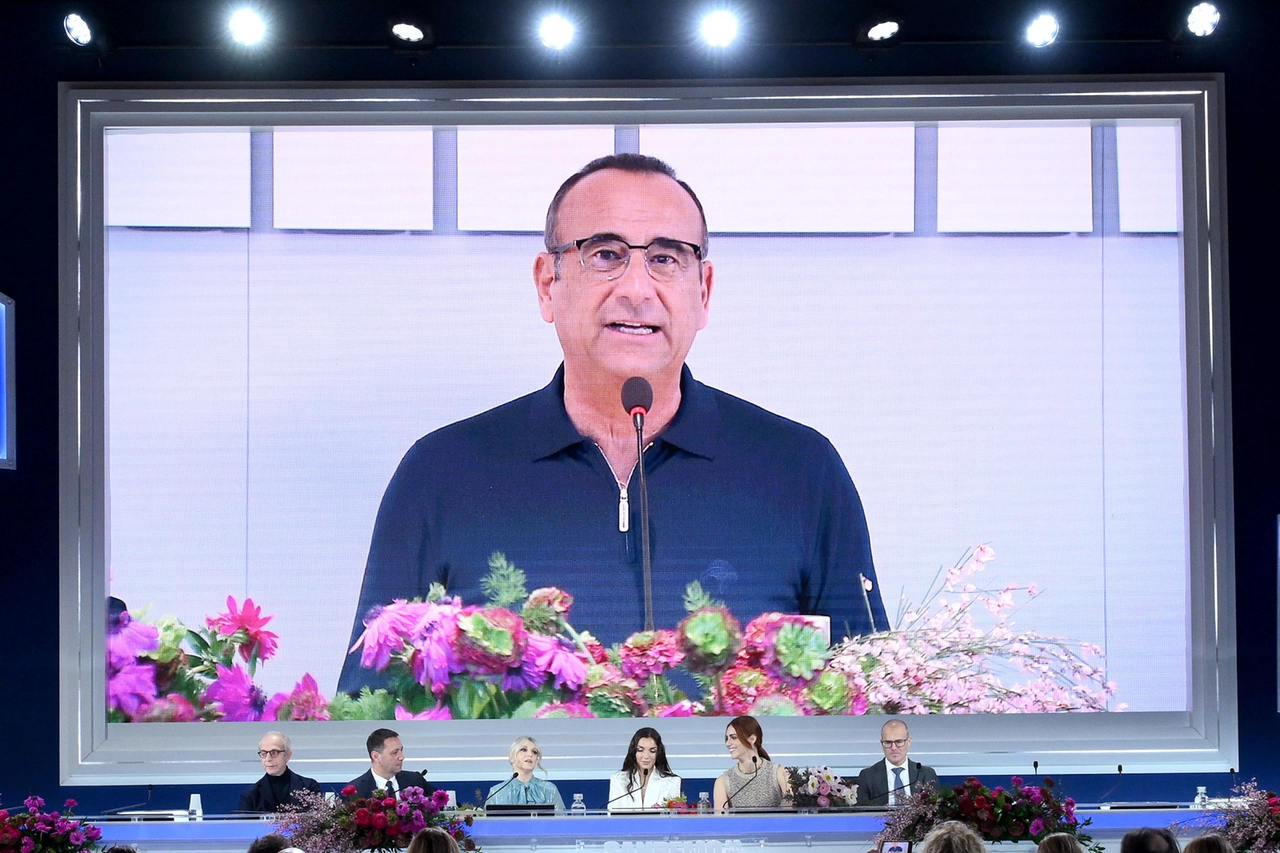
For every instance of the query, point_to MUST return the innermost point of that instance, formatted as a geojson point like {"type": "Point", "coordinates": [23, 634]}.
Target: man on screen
{"type": "Point", "coordinates": [897, 777]}
{"type": "Point", "coordinates": [759, 509]}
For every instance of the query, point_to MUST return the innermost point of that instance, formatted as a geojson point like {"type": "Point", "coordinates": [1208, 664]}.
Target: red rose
{"type": "Point", "coordinates": [349, 791]}
{"type": "Point", "coordinates": [389, 802]}
{"type": "Point", "coordinates": [363, 817]}
{"type": "Point", "coordinates": [380, 821]}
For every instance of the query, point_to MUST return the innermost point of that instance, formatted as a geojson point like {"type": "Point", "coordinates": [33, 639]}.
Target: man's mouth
{"type": "Point", "coordinates": [628, 328]}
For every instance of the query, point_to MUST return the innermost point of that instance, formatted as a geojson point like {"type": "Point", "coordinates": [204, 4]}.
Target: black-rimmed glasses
{"type": "Point", "coordinates": [606, 256]}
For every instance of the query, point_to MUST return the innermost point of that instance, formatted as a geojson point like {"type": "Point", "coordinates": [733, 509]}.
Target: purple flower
{"type": "Point", "coordinates": [33, 803]}
{"type": "Point", "coordinates": [77, 838]}
{"type": "Point", "coordinates": [131, 688]}
{"type": "Point", "coordinates": [238, 698]}
{"type": "Point", "coordinates": [1016, 781]}
{"type": "Point", "coordinates": [1037, 827]}
{"type": "Point", "coordinates": [529, 675]}
{"type": "Point", "coordinates": [28, 846]}
{"type": "Point", "coordinates": [1035, 796]}
{"type": "Point", "coordinates": [304, 703]}
{"type": "Point", "coordinates": [127, 640]}
{"type": "Point", "coordinates": [683, 708]}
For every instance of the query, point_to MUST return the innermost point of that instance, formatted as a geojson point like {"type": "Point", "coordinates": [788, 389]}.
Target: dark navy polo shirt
{"type": "Point", "coordinates": [758, 508]}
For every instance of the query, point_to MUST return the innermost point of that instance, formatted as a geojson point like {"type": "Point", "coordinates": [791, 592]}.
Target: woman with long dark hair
{"type": "Point", "coordinates": [646, 779]}
{"type": "Point", "coordinates": [753, 782]}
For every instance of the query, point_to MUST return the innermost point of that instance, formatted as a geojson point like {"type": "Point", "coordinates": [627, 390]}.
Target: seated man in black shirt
{"type": "Point", "coordinates": [277, 787]}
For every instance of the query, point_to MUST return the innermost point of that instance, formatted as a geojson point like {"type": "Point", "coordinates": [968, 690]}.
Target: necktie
{"type": "Point", "coordinates": [392, 788]}
{"type": "Point", "coordinates": [897, 786]}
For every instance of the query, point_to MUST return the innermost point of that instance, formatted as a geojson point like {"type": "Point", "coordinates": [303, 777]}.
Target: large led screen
{"type": "Point", "coordinates": [939, 448]}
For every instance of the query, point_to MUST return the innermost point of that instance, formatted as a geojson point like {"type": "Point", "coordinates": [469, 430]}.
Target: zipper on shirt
{"type": "Point", "coordinates": [624, 500]}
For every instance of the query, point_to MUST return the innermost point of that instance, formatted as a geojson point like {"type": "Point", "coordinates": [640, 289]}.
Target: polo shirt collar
{"type": "Point", "coordinates": [695, 429]}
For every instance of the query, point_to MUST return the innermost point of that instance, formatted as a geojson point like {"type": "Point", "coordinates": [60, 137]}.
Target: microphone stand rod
{"type": "Point", "coordinates": [647, 562]}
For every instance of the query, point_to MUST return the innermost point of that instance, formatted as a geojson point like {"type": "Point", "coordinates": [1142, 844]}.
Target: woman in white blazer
{"type": "Point", "coordinates": [646, 780]}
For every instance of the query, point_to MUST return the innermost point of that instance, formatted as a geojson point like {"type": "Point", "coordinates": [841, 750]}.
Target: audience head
{"type": "Point", "coordinates": [272, 843]}
{"type": "Point", "coordinates": [121, 848]}
{"type": "Point", "coordinates": [1210, 842]}
{"type": "Point", "coordinates": [525, 756]}
{"type": "Point", "coordinates": [646, 753]}
{"type": "Point", "coordinates": [1149, 840]}
{"type": "Point", "coordinates": [742, 736]}
{"type": "Point", "coordinates": [1060, 842]}
{"type": "Point", "coordinates": [952, 837]}
{"type": "Point", "coordinates": [386, 752]}
{"type": "Point", "coordinates": [433, 839]}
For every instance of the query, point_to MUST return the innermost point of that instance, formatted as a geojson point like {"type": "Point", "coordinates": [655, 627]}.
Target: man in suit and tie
{"type": "Point", "coordinates": [897, 777]}
{"type": "Point", "coordinates": [277, 787]}
{"type": "Point", "coordinates": [386, 755]}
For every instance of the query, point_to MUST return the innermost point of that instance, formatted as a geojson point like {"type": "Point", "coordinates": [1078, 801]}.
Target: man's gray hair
{"type": "Point", "coordinates": [288, 744]}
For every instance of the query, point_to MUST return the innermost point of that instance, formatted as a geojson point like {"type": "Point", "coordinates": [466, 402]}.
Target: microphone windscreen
{"type": "Point", "coordinates": [637, 393]}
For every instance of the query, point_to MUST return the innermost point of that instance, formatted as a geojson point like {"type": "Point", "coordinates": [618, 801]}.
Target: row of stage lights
{"type": "Point", "coordinates": [718, 28]}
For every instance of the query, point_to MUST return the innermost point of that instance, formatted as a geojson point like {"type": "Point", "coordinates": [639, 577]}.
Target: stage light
{"type": "Point", "coordinates": [247, 27]}
{"type": "Point", "coordinates": [719, 28]}
{"type": "Point", "coordinates": [1043, 31]}
{"type": "Point", "coordinates": [77, 29]}
{"type": "Point", "coordinates": [1203, 19]}
{"type": "Point", "coordinates": [556, 31]}
{"type": "Point", "coordinates": [882, 31]}
{"type": "Point", "coordinates": [408, 32]}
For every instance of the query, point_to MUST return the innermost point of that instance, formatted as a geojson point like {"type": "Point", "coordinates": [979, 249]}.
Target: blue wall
{"type": "Point", "coordinates": [34, 57]}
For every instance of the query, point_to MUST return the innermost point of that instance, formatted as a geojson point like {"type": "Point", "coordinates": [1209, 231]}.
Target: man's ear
{"type": "Point", "coordinates": [544, 276]}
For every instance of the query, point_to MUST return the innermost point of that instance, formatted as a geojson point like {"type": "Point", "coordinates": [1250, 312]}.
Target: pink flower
{"type": "Point", "coordinates": [27, 846]}
{"type": "Point", "coordinates": [173, 708]}
{"type": "Point", "coordinates": [490, 639]}
{"type": "Point", "coordinates": [560, 660]}
{"type": "Point", "coordinates": [248, 623]}
{"type": "Point", "coordinates": [650, 653]}
{"type": "Point", "coordinates": [386, 632]}
{"type": "Point", "coordinates": [1016, 781]}
{"type": "Point", "coordinates": [304, 703]}
{"type": "Point", "coordinates": [236, 696]}
{"type": "Point", "coordinates": [742, 686]}
{"type": "Point", "coordinates": [1037, 827]}
{"type": "Point", "coordinates": [439, 712]}
{"type": "Point", "coordinates": [552, 597]}
{"type": "Point", "coordinates": [433, 659]}
{"type": "Point", "coordinates": [683, 708]}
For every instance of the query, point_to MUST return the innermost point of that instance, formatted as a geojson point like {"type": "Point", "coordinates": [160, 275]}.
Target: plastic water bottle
{"type": "Point", "coordinates": [1202, 798]}
{"type": "Point", "coordinates": [579, 808]}
{"type": "Point", "coordinates": [704, 803]}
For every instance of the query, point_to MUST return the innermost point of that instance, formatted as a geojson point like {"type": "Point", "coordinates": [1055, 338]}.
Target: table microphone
{"type": "Point", "coordinates": [513, 778]}
{"type": "Point", "coordinates": [755, 761]}
{"type": "Point", "coordinates": [644, 777]}
{"type": "Point", "coordinates": [637, 399]}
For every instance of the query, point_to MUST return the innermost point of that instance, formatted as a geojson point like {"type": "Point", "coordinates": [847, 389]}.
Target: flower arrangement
{"type": "Point", "coordinates": [167, 672]}
{"type": "Point", "coordinates": [1250, 820]}
{"type": "Point", "coordinates": [38, 831]}
{"type": "Point", "coordinates": [379, 822]}
{"type": "Point", "coordinates": [1020, 813]}
{"type": "Point", "coordinates": [819, 787]}
{"type": "Point", "coordinates": [678, 805]}
{"type": "Point", "coordinates": [518, 656]}
{"type": "Point", "coordinates": [939, 660]}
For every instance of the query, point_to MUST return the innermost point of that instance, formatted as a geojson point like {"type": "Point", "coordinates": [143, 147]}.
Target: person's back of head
{"type": "Point", "coordinates": [1149, 840]}
{"type": "Point", "coordinates": [1210, 842]}
{"type": "Point", "coordinates": [433, 839]}
{"type": "Point", "coordinates": [272, 843]}
{"type": "Point", "coordinates": [952, 837]}
{"type": "Point", "coordinates": [1060, 842]}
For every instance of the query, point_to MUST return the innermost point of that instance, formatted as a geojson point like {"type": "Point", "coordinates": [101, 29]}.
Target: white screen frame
{"type": "Point", "coordinates": [1203, 739]}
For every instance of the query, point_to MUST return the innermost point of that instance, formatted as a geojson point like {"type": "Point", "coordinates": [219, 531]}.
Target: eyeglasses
{"type": "Point", "coordinates": [606, 256]}
{"type": "Point", "coordinates": [271, 753]}
{"type": "Point", "coordinates": [887, 744]}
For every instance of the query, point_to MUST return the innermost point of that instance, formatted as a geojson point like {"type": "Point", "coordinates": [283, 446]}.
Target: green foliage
{"type": "Point", "coordinates": [504, 585]}
{"type": "Point", "coordinates": [696, 598]}
{"type": "Point", "coordinates": [435, 592]}
{"type": "Point", "coordinates": [368, 705]}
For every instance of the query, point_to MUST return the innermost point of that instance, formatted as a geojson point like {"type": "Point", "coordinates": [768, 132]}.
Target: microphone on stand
{"type": "Point", "coordinates": [755, 762]}
{"type": "Point", "coordinates": [119, 809]}
{"type": "Point", "coordinates": [513, 778]}
{"type": "Point", "coordinates": [1120, 773]}
{"type": "Point", "coordinates": [1035, 768]}
{"type": "Point", "coordinates": [644, 777]}
{"type": "Point", "coordinates": [637, 399]}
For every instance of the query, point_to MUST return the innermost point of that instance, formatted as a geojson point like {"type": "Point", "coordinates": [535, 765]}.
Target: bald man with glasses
{"type": "Point", "coordinates": [891, 781]}
{"type": "Point", "coordinates": [759, 509]}
{"type": "Point", "coordinates": [278, 785]}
